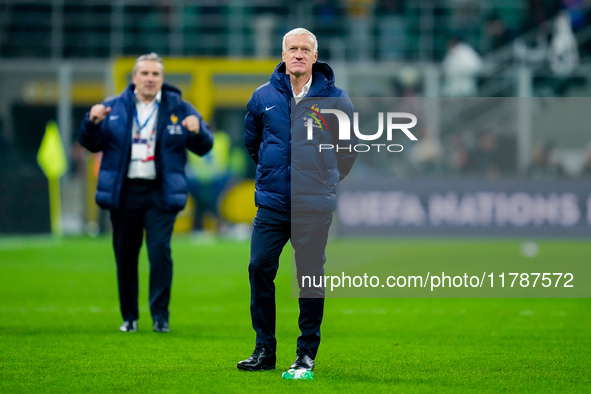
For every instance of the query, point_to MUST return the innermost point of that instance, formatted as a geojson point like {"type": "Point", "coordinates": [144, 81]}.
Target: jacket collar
{"type": "Point", "coordinates": [322, 80]}
{"type": "Point", "coordinates": [169, 94]}
{"type": "Point", "coordinates": [157, 98]}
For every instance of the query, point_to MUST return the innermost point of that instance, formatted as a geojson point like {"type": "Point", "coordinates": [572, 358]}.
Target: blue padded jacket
{"type": "Point", "coordinates": [113, 137]}
{"type": "Point", "coordinates": [292, 174]}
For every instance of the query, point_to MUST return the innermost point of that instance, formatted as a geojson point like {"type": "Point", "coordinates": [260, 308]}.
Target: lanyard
{"type": "Point", "coordinates": [149, 140]}
{"type": "Point", "coordinates": [137, 122]}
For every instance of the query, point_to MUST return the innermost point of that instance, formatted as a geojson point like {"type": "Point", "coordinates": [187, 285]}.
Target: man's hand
{"type": "Point", "coordinates": [98, 113]}
{"type": "Point", "coordinates": [191, 123]}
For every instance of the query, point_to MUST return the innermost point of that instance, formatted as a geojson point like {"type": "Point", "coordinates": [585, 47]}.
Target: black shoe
{"type": "Point", "coordinates": [129, 326]}
{"type": "Point", "coordinates": [303, 361]}
{"type": "Point", "coordinates": [261, 359]}
{"type": "Point", "coordinates": [161, 326]}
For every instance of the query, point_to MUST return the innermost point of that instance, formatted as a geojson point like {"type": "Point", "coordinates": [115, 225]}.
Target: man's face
{"type": "Point", "coordinates": [148, 79]}
{"type": "Point", "coordinates": [299, 55]}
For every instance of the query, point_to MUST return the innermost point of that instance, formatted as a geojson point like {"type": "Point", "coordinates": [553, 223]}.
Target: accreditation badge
{"type": "Point", "coordinates": [139, 150]}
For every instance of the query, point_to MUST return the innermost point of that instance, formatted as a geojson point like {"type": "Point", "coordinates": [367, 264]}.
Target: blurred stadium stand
{"type": "Point", "coordinates": [106, 28]}
{"type": "Point", "coordinates": [59, 57]}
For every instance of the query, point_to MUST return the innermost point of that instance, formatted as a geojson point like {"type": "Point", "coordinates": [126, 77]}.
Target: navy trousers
{"type": "Point", "coordinates": [138, 211]}
{"type": "Point", "coordinates": [308, 234]}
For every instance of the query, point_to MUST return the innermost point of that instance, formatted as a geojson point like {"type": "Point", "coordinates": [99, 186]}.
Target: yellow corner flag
{"type": "Point", "coordinates": [51, 157]}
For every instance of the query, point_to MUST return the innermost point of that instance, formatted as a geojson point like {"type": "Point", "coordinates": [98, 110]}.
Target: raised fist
{"type": "Point", "coordinates": [191, 123]}
{"type": "Point", "coordinates": [98, 113]}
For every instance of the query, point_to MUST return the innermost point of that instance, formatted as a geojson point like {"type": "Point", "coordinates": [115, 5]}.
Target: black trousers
{"type": "Point", "coordinates": [271, 231]}
{"type": "Point", "coordinates": [138, 211]}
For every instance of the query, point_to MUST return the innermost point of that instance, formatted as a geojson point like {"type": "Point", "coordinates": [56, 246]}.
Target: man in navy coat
{"type": "Point", "coordinates": [143, 134]}
{"type": "Point", "coordinates": [295, 190]}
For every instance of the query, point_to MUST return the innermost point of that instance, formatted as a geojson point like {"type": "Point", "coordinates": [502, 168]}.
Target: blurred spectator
{"type": "Point", "coordinates": [460, 155]}
{"type": "Point", "coordinates": [408, 86]}
{"type": "Point", "coordinates": [359, 13]}
{"type": "Point", "coordinates": [263, 32]}
{"type": "Point", "coordinates": [427, 154]}
{"type": "Point", "coordinates": [545, 164]}
{"type": "Point", "coordinates": [486, 156]}
{"type": "Point", "coordinates": [461, 66]}
{"type": "Point", "coordinates": [563, 53]}
{"type": "Point", "coordinates": [532, 49]}
{"type": "Point", "coordinates": [497, 31]}
{"type": "Point", "coordinates": [392, 26]}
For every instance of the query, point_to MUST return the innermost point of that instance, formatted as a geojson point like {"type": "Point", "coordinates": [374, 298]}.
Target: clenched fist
{"type": "Point", "coordinates": [98, 113]}
{"type": "Point", "coordinates": [191, 123]}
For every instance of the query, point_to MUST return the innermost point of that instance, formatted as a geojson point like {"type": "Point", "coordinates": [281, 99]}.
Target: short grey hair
{"type": "Point", "coordinates": [300, 31]}
{"type": "Point", "coordinates": [149, 56]}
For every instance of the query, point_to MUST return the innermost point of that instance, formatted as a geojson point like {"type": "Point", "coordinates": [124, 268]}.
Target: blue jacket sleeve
{"type": "Point", "coordinates": [91, 135]}
{"type": "Point", "coordinates": [346, 158]}
{"type": "Point", "coordinates": [253, 129]}
{"type": "Point", "coordinates": [202, 142]}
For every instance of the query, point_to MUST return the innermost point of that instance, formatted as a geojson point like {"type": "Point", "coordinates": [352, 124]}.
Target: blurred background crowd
{"type": "Point", "coordinates": [361, 30]}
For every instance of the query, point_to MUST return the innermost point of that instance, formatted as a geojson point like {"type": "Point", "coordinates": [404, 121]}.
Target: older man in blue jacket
{"type": "Point", "coordinates": [143, 134]}
{"type": "Point", "coordinates": [295, 189]}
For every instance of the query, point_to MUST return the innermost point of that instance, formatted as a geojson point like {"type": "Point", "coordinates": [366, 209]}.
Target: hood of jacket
{"type": "Point", "coordinates": [322, 80]}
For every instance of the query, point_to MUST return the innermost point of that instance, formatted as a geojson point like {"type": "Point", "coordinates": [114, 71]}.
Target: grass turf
{"type": "Point", "coordinates": [59, 323]}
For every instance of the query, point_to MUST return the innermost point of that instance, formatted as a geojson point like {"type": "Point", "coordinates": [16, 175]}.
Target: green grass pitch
{"type": "Point", "coordinates": [59, 323]}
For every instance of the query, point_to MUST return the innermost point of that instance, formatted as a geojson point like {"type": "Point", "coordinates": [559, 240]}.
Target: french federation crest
{"type": "Point", "coordinates": [174, 128]}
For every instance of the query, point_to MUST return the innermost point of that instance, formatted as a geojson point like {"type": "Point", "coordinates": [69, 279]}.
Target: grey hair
{"type": "Point", "coordinates": [300, 31]}
{"type": "Point", "coordinates": [149, 56]}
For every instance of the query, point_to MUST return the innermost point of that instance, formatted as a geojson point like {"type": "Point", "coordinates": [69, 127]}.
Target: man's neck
{"type": "Point", "coordinates": [299, 81]}
{"type": "Point", "coordinates": [146, 99]}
